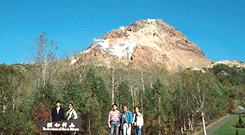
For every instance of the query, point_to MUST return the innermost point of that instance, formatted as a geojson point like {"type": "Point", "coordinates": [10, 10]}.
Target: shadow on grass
{"type": "Point", "coordinates": [235, 126]}
{"type": "Point", "coordinates": [236, 113]}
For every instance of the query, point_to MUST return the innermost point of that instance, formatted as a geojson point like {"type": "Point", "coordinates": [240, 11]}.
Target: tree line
{"type": "Point", "coordinates": [172, 103]}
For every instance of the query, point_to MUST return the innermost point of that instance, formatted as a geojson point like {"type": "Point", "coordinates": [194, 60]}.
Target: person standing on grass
{"type": "Point", "coordinates": [113, 120]}
{"type": "Point", "coordinates": [126, 121]}
{"type": "Point", "coordinates": [137, 121]}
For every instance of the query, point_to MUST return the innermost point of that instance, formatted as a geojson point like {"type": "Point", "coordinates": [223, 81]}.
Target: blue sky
{"type": "Point", "coordinates": [216, 26]}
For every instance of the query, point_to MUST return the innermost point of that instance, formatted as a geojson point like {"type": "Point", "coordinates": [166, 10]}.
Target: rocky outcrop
{"type": "Point", "coordinates": [230, 63]}
{"type": "Point", "coordinates": [143, 43]}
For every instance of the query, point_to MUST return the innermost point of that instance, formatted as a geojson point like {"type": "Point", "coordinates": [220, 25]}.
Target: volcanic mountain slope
{"type": "Point", "coordinates": [144, 43]}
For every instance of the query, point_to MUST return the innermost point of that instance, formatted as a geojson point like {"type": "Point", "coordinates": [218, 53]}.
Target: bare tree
{"type": "Point", "coordinates": [113, 83]}
{"type": "Point", "coordinates": [43, 55]}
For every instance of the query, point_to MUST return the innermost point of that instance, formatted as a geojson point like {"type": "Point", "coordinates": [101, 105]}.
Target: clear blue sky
{"type": "Point", "coordinates": [216, 26]}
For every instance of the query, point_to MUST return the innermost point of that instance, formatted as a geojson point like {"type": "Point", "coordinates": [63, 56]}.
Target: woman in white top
{"type": "Point", "coordinates": [71, 113]}
{"type": "Point", "coordinates": [137, 121]}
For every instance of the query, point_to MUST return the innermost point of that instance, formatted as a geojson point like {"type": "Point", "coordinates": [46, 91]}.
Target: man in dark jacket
{"type": "Point", "coordinates": [57, 112]}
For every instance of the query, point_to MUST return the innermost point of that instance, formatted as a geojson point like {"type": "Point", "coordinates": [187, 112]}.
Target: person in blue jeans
{"type": "Point", "coordinates": [113, 120]}
{"type": "Point", "coordinates": [126, 121]}
{"type": "Point", "coordinates": [137, 121]}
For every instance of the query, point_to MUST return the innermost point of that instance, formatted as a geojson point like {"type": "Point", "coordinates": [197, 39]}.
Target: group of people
{"type": "Point", "coordinates": [116, 121]}
{"type": "Point", "coordinates": [125, 120]}
{"type": "Point", "coordinates": [58, 113]}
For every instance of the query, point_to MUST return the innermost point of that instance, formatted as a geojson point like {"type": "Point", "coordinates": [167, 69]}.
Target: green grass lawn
{"type": "Point", "coordinates": [229, 128]}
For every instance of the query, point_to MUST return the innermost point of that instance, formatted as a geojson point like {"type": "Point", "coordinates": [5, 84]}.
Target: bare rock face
{"type": "Point", "coordinates": [144, 43]}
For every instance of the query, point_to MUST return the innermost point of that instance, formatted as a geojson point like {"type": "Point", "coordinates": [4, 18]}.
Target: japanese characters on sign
{"type": "Point", "coordinates": [67, 125]}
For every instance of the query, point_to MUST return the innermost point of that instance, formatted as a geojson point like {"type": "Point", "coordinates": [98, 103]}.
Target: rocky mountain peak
{"type": "Point", "coordinates": [146, 42]}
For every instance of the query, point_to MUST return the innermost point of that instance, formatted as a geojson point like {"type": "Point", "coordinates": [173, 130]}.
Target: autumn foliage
{"type": "Point", "coordinates": [232, 103]}
{"type": "Point", "coordinates": [40, 113]}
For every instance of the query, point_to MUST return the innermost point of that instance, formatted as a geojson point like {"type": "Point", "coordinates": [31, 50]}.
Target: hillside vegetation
{"type": "Point", "coordinates": [171, 102]}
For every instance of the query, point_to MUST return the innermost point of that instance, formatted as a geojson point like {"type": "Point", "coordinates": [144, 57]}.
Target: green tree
{"type": "Point", "coordinates": [6, 92]}
{"type": "Point", "coordinates": [203, 95]}
{"type": "Point", "coordinates": [124, 96]}
{"type": "Point", "coordinates": [158, 109]}
{"type": "Point", "coordinates": [15, 122]}
{"type": "Point", "coordinates": [46, 95]}
{"type": "Point", "coordinates": [73, 93]}
{"type": "Point", "coordinates": [12, 120]}
{"type": "Point", "coordinates": [97, 86]}
{"type": "Point", "coordinates": [235, 75]}
{"type": "Point", "coordinates": [104, 97]}
{"type": "Point", "coordinates": [179, 107]}
{"type": "Point", "coordinates": [92, 100]}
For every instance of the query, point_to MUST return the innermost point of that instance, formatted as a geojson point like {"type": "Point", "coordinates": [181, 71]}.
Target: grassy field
{"type": "Point", "coordinates": [229, 128]}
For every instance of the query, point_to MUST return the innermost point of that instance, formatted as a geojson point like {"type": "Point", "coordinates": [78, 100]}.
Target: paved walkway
{"type": "Point", "coordinates": [211, 130]}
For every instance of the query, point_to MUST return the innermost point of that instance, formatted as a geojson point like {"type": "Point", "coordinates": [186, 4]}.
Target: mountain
{"type": "Point", "coordinates": [144, 43]}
